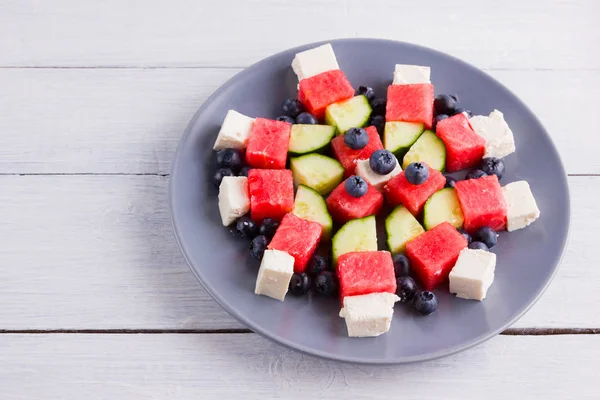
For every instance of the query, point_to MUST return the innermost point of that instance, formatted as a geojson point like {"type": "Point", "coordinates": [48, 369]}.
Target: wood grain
{"type": "Point", "coordinates": [508, 34]}
{"type": "Point", "coordinates": [219, 366]}
{"type": "Point", "coordinates": [130, 121]}
{"type": "Point", "coordinates": [97, 252]}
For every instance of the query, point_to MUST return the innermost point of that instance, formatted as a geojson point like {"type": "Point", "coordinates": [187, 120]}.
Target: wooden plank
{"type": "Point", "coordinates": [508, 34]}
{"type": "Point", "coordinates": [217, 366]}
{"type": "Point", "coordinates": [97, 252]}
{"type": "Point", "coordinates": [130, 121]}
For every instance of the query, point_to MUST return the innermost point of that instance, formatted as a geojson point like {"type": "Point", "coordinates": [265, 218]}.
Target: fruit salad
{"type": "Point", "coordinates": [307, 187]}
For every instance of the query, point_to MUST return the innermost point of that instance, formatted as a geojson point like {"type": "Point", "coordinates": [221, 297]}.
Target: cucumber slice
{"type": "Point", "coordinates": [311, 205]}
{"type": "Point", "coordinates": [352, 113]}
{"type": "Point", "coordinates": [310, 138]}
{"type": "Point", "coordinates": [429, 149]}
{"type": "Point", "coordinates": [399, 136]}
{"type": "Point", "coordinates": [401, 227]}
{"type": "Point", "coordinates": [443, 206]}
{"type": "Point", "coordinates": [356, 235]}
{"type": "Point", "coordinates": [317, 171]}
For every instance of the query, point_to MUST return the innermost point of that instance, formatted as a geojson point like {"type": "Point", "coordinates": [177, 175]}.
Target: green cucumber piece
{"type": "Point", "coordinates": [356, 235]}
{"type": "Point", "coordinates": [443, 206]}
{"type": "Point", "coordinates": [311, 206]}
{"type": "Point", "coordinates": [310, 138]}
{"type": "Point", "coordinates": [401, 227]}
{"type": "Point", "coordinates": [317, 171]}
{"type": "Point", "coordinates": [399, 136]}
{"type": "Point", "coordinates": [429, 149]}
{"type": "Point", "coordinates": [351, 113]}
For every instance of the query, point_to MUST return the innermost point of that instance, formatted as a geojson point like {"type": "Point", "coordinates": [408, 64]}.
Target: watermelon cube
{"type": "Point", "coordinates": [298, 237]}
{"type": "Point", "coordinates": [464, 148]}
{"type": "Point", "coordinates": [410, 103]}
{"type": "Point", "coordinates": [319, 91]}
{"type": "Point", "coordinates": [348, 157]}
{"type": "Point", "coordinates": [364, 272]}
{"type": "Point", "coordinates": [400, 191]}
{"type": "Point", "coordinates": [434, 253]}
{"type": "Point", "coordinates": [271, 193]}
{"type": "Point", "coordinates": [482, 203]}
{"type": "Point", "coordinates": [344, 207]}
{"type": "Point", "coordinates": [268, 144]}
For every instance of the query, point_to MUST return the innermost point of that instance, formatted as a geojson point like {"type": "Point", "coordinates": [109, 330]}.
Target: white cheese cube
{"type": "Point", "coordinates": [473, 274]}
{"type": "Point", "coordinates": [314, 61]}
{"type": "Point", "coordinates": [234, 131]}
{"type": "Point", "coordinates": [234, 200]}
{"type": "Point", "coordinates": [499, 139]}
{"type": "Point", "coordinates": [369, 314]}
{"type": "Point", "coordinates": [522, 209]}
{"type": "Point", "coordinates": [409, 74]}
{"type": "Point", "coordinates": [363, 169]}
{"type": "Point", "coordinates": [276, 270]}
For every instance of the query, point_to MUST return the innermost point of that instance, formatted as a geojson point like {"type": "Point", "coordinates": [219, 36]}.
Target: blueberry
{"type": "Point", "coordinates": [478, 246]}
{"type": "Point", "coordinates": [382, 162]}
{"type": "Point", "coordinates": [356, 186]}
{"type": "Point", "coordinates": [220, 174]}
{"type": "Point", "coordinates": [378, 106]}
{"type": "Point", "coordinates": [474, 174]}
{"type": "Point", "coordinates": [465, 235]}
{"type": "Point", "coordinates": [306, 119]}
{"type": "Point", "coordinates": [268, 227]}
{"type": "Point", "coordinates": [425, 302]}
{"type": "Point", "coordinates": [493, 166]}
{"type": "Point", "coordinates": [378, 121]}
{"type": "Point", "coordinates": [450, 181]}
{"type": "Point", "coordinates": [246, 227]}
{"type": "Point", "coordinates": [487, 236]}
{"type": "Point", "coordinates": [366, 91]}
{"type": "Point", "coordinates": [325, 284]}
{"type": "Point", "coordinates": [401, 265]}
{"type": "Point", "coordinates": [292, 107]}
{"type": "Point", "coordinates": [258, 246]}
{"type": "Point", "coordinates": [229, 158]}
{"type": "Point", "coordinates": [316, 265]}
{"type": "Point", "coordinates": [406, 288]}
{"type": "Point", "coordinates": [244, 171]}
{"type": "Point", "coordinates": [445, 104]}
{"type": "Point", "coordinates": [416, 173]}
{"type": "Point", "coordinates": [299, 284]}
{"type": "Point", "coordinates": [356, 138]}
{"type": "Point", "coordinates": [286, 118]}
{"type": "Point", "coordinates": [438, 118]}
{"type": "Point", "coordinates": [463, 110]}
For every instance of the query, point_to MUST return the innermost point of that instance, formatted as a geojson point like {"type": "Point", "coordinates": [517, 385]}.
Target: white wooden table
{"type": "Point", "coordinates": [96, 300]}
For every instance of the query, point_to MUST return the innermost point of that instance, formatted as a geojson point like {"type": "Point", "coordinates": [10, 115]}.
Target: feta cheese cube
{"type": "Point", "coordinates": [499, 139]}
{"type": "Point", "coordinates": [368, 315]}
{"type": "Point", "coordinates": [522, 209]}
{"type": "Point", "coordinates": [472, 274]}
{"type": "Point", "coordinates": [234, 131]}
{"type": "Point", "coordinates": [234, 200]}
{"type": "Point", "coordinates": [314, 61]}
{"type": "Point", "coordinates": [408, 74]}
{"type": "Point", "coordinates": [276, 270]}
{"type": "Point", "coordinates": [363, 169]}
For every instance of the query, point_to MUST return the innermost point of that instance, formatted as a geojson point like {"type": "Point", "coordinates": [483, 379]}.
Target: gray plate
{"type": "Point", "coordinates": [527, 259]}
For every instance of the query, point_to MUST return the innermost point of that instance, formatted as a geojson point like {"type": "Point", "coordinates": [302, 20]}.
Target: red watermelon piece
{"type": "Point", "coordinates": [268, 144]}
{"type": "Point", "coordinates": [319, 91]}
{"type": "Point", "coordinates": [271, 193]}
{"type": "Point", "coordinates": [464, 148]}
{"type": "Point", "coordinates": [348, 157]}
{"type": "Point", "coordinates": [434, 253]}
{"type": "Point", "coordinates": [298, 237]}
{"type": "Point", "coordinates": [365, 272]}
{"type": "Point", "coordinates": [344, 207]}
{"type": "Point", "coordinates": [482, 203]}
{"type": "Point", "coordinates": [400, 191]}
{"type": "Point", "coordinates": [410, 103]}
